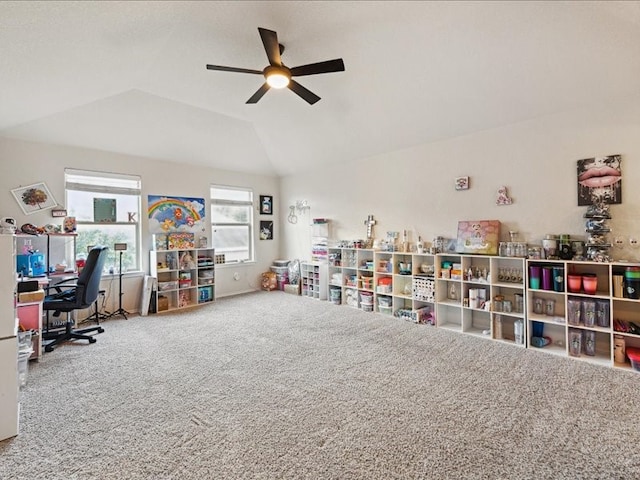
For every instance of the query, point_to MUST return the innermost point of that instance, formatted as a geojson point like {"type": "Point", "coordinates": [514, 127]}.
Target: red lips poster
{"type": "Point", "coordinates": [600, 180]}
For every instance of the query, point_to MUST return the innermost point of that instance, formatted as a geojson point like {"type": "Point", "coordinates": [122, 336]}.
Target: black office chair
{"type": "Point", "coordinates": [75, 294]}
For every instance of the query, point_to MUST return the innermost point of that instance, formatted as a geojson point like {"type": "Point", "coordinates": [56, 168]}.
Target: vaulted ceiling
{"type": "Point", "coordinates": [130, 77]}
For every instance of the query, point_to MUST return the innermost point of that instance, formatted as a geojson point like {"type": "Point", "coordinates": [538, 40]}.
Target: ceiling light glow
{"type": "Point", "coordinates": [277, 77]}
{"type": "Point", "coordinates": [277, 80]}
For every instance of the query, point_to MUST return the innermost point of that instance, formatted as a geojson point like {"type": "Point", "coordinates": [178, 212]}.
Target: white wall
{"type": "Point", "coordinates": [414, 188]}
{"type": "Point", "coordinates": [25, 163]}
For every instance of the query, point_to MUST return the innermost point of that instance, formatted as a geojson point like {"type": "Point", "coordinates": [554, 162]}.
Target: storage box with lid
{"type": "Point", "coordinates": [205, 277]}
{"type": "Point", "coordinates": [166, 286]}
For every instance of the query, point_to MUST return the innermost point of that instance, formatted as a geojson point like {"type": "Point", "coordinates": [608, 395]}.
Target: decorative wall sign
{"type": "Point", "coordinates": [462, 183]}
{"type": "Point", "coordinates": [266, 230]}
{"type": "Point", "coordinates": [34, 198]}
{"type": "Point", "coordinates": [600, 180]}
{"type": "Point", "coordinates": [503, 197]}
{"type": "Point", "coordinates": [266, 205]}
{"type": "Point", "coordinates": [175, 214]}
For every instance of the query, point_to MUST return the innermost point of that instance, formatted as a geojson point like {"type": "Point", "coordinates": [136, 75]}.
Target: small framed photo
{"type": "Point", "coordinates": [34, 198]}
{"type": "Point", "coordinates": [266, 230]}
{"type": "Point", "coordinates": [266, 205]}
{"type": "Point", "coordinates": [462, 183]}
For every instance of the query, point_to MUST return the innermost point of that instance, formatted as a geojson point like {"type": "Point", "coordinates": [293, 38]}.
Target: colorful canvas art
{"type": "Point", "coordinates": [600, 180]}
{"type": "Point", "coordinates": [175, 214]}
{"type": "Point", "coordinates": [34, 198]}
{"type": "Point", "coordinates": [478, 236]}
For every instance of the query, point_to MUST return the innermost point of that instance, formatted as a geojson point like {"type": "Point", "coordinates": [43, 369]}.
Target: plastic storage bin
{"type": "Point", "coordinates": [166, 286]}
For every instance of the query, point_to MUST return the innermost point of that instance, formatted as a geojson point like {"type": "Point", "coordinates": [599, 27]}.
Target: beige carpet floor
{"type": "Point", "coordinates": [274, 386]}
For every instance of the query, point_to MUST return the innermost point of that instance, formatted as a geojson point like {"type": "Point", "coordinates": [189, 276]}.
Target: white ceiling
{"type": "Point", "coordinates": [130, 77]}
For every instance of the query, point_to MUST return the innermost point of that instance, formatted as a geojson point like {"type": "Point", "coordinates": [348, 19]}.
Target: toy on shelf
{"type": "Point", "coordinates": [186, 261]}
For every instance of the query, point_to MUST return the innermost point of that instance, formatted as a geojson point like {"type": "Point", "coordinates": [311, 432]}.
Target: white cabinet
{"type": "Point", "coordinates": [186, 278]}
{"type": "Point", "coordinates": [449, 292]}
{"type": "Point", "coordinates": [498, 298]}
{"type": "Point", "coordinates": [546, 307]}
{"type": "Point", "coordinates": [423, 290]}
{"type": "Point", "coordinates": [313, 277]}
{"type": "Point", "coordinates": [384, 273]}
{"type": "Point", "coordinates": [390, 283]}
{"type": "Point", "coordinates": [350, 277]}
{"type": "Point", "coordinates": [583, 311]}
{"type": "Point", "coordinates": [508, 300]}
{"type": "Point", "coordinates": [9, 405]}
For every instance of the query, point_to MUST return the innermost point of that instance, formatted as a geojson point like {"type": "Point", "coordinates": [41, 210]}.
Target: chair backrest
{"type": "Point", "coordinates": [89, 279]}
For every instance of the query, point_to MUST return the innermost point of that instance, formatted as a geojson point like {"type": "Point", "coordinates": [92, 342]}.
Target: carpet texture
{"type": "Point", "coordinates": [274, 386]}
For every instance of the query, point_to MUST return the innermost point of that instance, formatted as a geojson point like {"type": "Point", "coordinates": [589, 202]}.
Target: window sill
{"type": "Point", "coordinates": [134, 273]}
{"type": "Point", "coordinates": [236, 264]}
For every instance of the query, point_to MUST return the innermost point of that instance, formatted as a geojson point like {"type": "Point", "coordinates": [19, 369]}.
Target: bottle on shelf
{"type": "Point", "coordinates": [518, 331]}
{"type": "Point", "coordinates": [497, 327]}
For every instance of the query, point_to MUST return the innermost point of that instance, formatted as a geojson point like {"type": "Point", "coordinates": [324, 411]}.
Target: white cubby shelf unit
{"type": "Point", "coordinates": [491, 297]}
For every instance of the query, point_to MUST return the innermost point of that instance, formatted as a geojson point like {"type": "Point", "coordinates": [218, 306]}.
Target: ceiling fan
{"type": "Point", "coordinates": [277, 75]}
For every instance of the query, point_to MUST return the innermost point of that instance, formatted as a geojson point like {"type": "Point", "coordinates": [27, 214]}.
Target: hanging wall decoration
{"type": "Point", "coordinates": [503, 197]}
{"type": "Point", "coordinates": [462, 183]}
{"type": "Point", "coordinates": [600, 180]}
{"type": "Point", "coordinates": [266, 204]}
{"type": "Point", "coordinates": [266, 230]}
{"type": "Point", "coordinates": [34, 198]}
{"type": "Point", "coordinates": [175, 214]}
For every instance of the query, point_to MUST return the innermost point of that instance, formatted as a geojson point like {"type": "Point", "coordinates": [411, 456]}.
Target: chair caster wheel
{"type": "Point", "coordinates": [101, 330]}
{"type": "Point", "coordinates": [92, 340]}
{"type": "Point", "coordinates": [48, 348]}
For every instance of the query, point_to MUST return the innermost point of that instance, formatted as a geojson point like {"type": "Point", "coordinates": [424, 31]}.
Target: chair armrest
{"type": "Point", "coordinates": [66, 284]}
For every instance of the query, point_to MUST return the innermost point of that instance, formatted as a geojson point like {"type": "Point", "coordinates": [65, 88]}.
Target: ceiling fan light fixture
{"type": "Point", "coordinates": [277, 77]}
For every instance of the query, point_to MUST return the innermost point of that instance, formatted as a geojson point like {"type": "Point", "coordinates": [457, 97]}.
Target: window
{"type": "Point", "coordinates": [107, 211]}
{"type": "Point", "coordinates": [231, 223]}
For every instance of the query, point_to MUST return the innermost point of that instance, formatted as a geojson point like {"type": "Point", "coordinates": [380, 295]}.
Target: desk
{"type": "Point", "coordinates": [30, 318]}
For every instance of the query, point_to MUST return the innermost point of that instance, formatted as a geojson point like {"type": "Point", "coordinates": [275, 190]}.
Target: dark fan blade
{"type": "Point", "coordinates": [302, 92]}
{"type": "Point", "coordinates": [233, 69]}
{"type": "Point", "coordinates": [329, 66]}
{"type": "Point", "coordinates": [259, 94]}
{"type": "Point", "coordinates": [270, 42]}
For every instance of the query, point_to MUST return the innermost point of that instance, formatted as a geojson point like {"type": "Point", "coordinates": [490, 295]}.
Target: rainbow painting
{"type": "Point", "coordinates": [175, 214]}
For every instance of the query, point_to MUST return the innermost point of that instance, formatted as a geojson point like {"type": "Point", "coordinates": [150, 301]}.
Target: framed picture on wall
{"type": "Point", "coordinates": [34, 198]}
{"type": "Point", "coordinates": [462, 183]}
{"type": "Point", "coordinates": [600, 180]}
{"type": "Point", "coordinates": [266, 205]}
{"type": "Point", "coordinates": [266, 230]}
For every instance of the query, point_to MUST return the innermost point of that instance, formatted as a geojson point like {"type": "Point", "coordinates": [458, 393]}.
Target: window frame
{"type": "Point", "coordinates": [237, 203]}
{"type": "Point", "coordinates": [76, 185]}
